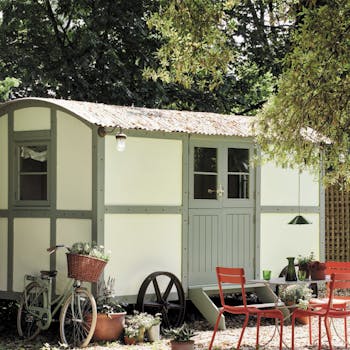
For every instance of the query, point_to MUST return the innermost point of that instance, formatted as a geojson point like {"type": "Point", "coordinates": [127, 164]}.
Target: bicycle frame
{"type": "Point", "coordinates": [46, 313]}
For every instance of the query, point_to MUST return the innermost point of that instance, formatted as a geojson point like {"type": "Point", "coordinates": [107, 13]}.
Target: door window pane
{"type": "Point", "coordinates": [238, 173]}
{"type": "Point", "coordinates": [238, 160]}
{"type": "Point", "coordinates": [204, 186]}
{"type": "Point", "coordinates": [205, 159]}
{"type": "Point", "coordinates": [238, 186]}
{"type": "Point", "coordinates": [205, 173]}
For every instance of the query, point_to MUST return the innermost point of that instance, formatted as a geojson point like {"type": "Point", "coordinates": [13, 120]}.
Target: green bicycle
{"type": "Point", "coordinates": [37, 308]}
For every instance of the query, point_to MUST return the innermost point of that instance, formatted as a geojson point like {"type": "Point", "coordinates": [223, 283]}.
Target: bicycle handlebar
{"type": "Point", "coordinates": [54, 248]}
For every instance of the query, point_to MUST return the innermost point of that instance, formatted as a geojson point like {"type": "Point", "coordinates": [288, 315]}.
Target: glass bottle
{"type": "Point", "coordinates": [291, 274]}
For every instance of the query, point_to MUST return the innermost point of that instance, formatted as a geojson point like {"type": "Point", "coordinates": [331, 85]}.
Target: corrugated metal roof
{"type": "Point", "coordinates": [156, 119]}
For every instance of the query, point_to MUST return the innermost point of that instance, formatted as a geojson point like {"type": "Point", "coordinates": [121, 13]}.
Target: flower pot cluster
{"type": "Point", "coordinates": [296, 294]}
{"type": "Point", "coordinates": [139, 325]}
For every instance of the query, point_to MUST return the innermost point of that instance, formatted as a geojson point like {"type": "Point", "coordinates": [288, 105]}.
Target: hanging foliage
{"type": "Point", "coordinates": [309, 117]}
{"type": "Point", "coordinates": [195, 42]}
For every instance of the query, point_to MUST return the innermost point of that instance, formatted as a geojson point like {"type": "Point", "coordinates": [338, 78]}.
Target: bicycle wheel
{"type": "Point", "coordinates": [78, 318]}
{"type": "Point", "coordinates": [28, 320]}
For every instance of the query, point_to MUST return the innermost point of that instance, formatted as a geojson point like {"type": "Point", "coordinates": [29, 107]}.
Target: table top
{"type": "Point", "coordinates": [282, 281]}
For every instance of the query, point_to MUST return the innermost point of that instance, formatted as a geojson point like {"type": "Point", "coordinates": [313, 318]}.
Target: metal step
{"type": "Point", "coordinates": [200, 297]}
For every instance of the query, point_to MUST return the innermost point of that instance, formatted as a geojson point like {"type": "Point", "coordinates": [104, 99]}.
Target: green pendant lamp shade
{"type": "Point", "coordinates": [299, 219]}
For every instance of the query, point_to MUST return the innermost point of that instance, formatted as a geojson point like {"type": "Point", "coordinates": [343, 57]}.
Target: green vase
{"type": "Point", "coordinates": [291, 274]}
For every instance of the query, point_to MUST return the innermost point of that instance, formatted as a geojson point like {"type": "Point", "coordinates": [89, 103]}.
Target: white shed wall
{"type": "Point", "coordinates": [3, 253]}
{"type": "Point", "coordinates": [31, 239]}
{"type": "Point", "coordinates": [280, 240]}
{"type": "Point", "coordinates": [279, 187]}
{"type": "Point", "coordinates": [148, 172]}
{"type": "Point", "coordinates": [69, 231]}
{"type": "Point", "coordinates": [141, 244]}
{"type": "Point", "coordinates": [3, 162]}
{"type": "Point", "coordinates": [74, 163]}
{"type": "Point", "coordinates": [32, 118]}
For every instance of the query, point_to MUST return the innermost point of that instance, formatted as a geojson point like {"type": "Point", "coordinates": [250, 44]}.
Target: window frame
{"type": "Point", "coordinates": [31, 138]}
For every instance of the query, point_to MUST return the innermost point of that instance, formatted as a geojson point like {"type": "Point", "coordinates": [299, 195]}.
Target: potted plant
{"type": "Point", "coordinates": [304, 263]}
{"type": "Point", "coordinates": [181, 337]}
{"type": "Point", "coordinates": [86, 261]}
{"type": "Point", "coordinates": [153, 327]}
{"type": "Point", "coordinates": [136, 326]}
{"type": "Point", "coordinates": [110, 313]}
{"type": "Point", "coordinates": [298, 295]}
{"type": "Point", "coordinates": [317, 270]}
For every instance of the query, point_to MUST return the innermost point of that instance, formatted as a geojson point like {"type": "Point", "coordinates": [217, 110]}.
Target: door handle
{"type": "Point", "coordinates": [219, 191]}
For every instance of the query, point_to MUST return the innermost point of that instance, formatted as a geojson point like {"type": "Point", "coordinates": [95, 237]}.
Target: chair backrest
{"type": "Point", "coordinates": [231, 275]}
{"type": "Point", "coordinates": [339, 281]}
{"type": "Point", "coordinates": [337, 267]}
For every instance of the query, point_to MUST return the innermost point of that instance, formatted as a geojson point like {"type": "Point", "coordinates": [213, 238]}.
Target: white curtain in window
{"type": "Point", "coordinates": [28, 152]}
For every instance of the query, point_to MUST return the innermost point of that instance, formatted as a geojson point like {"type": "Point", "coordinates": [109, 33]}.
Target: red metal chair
{"type": "Point", "coordinates": [338, 281]}
{"type": "Point", "coordinates": [340, 302]}
{"type": "Point", "coordinates": [226, 275]}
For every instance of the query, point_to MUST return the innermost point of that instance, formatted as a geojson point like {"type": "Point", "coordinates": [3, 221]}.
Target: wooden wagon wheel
{"type": "Point", "coordinates": [171, 303]}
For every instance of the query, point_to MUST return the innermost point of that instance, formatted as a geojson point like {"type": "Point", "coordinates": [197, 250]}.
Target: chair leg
{"type": "Point", "coordinates": [328, 331]}
{"type": "Point", "coordinates": [258, 319]}
{"type": "Point", "coordinates": [215, 328]}
{"type": "Point", "coordinates": [293, 324]}
{"type": "Point", "coordinates": [319, 333]}
{"type": "Point", "coordinates": [310, 330]}
{"type": "Point", "coordinates": [245, 323]}
{"type": "Point", "coordinates": [281, 332]}
{"type": "Point", "coordinates": [346, 332]}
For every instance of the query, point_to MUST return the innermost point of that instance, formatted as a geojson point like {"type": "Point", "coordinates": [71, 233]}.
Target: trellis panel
{"type": "Point", "coordinates": [337, 224]}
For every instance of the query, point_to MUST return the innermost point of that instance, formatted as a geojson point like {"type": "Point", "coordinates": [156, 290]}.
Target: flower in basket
{"type": "Point", "coordinates": [299, 294]}
{"type": "Point", "coordinates": [86, 261]}
{"type": "Point", "coordinates": [106, 301]}
{"type": "Point", "coordinates": [91, 249]}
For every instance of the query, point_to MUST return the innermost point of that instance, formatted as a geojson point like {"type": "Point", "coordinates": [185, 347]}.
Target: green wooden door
{"type": "Point", "coordinates": [221, 209]}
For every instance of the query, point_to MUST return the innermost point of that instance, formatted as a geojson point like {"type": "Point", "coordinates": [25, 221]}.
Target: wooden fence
{"type": "Point", "coordinates": [337, 224]}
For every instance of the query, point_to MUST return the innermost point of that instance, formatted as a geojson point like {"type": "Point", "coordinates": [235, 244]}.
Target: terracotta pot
{"type": "Point", "coordinates": [129, 341]}
{"type": "Point", "coordinates": [303, 319]}
{"type": "Point", "coordinates": [184, 345]}
{"type": "Point", "coordinates": [109, 326]}
{"type": "Point", "coordinates": [318, 274]}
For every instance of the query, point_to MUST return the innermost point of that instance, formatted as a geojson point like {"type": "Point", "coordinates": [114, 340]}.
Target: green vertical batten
{"type": "Point", "coordinates": [185, 212]}
{"type": "Point", "coordinates": [10, 237]}
{"type": "Point", "coordinates": [257, 215]}
{"type": "Point", "coordinates": [98, 166]}
{"type": "Point", "coordinates": [322, 219]}
{"type": "Point", "coordinates": [53, 185]}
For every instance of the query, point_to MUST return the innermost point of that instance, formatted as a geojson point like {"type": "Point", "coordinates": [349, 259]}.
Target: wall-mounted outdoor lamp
{"type": "Point", "coordinates": [299, 219]}
{"type": "Point", "coordinates": [120, 136]}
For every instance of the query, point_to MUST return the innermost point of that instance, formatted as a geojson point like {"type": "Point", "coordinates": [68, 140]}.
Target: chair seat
{"type": "Point", "coordinates": [323, 302]}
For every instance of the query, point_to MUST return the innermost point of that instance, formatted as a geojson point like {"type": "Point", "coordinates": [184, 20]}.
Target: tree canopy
{"type": "Point", "coordinates": [202, 54]}
{"type": "Point", "coordinates": [5, 87]}
{"type": "Point", "coordinates": [313, 99]}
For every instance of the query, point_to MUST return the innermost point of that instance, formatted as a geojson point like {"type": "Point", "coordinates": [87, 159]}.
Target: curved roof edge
{"type": "Point", "coordinates": [147, 119]}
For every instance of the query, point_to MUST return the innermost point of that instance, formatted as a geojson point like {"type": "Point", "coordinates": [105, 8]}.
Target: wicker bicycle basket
{"type": "Point", "coordinates": [84, 267]}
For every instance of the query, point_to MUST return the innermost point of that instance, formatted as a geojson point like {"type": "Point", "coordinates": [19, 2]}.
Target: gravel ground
{"type": "Point", "coordinates": [224, 339]}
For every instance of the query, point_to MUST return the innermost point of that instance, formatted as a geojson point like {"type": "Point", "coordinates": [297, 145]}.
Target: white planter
{"type": "Point", "coordinates": [153, 333]}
